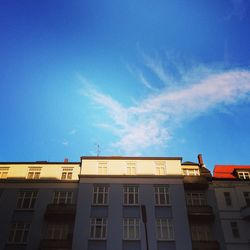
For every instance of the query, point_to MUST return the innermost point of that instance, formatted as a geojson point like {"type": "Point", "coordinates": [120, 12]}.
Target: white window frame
{"type": "Point", "coordinates": [19, 229]}
{"type": "Point", "coordinates": [161, 195]}
{"type": "Point", "coordinates": [131, 192]}
{"type": "Point", "coordinates": [63, 197]}
{"type": "Point", "coordinates": [34, 173]}
{"type": "Point", "coordinates": [67, 174]}
{"type": "Point", "coordinates": [100, 195]}
{"type": "Point", "coordinates": [98, 224]}
{"type": "Point", "coordinates": [196, 199]}
{"type": "Point", "coordinates": [191, 171]}
{"type": "Point", "coordinates": [131, 229]}
{"type": "Point", "coordinates": [164, 229]}
{"type": "Point", "coordinates": [244, 175]}
{"type": "Point", "coordinates": [4, 173]}
{"type": "Point", "coordinates": [57, 231]}
{"type": "Point", "coordinates": [200, 232]}
{"type": "Point", "coordinates": [23, 196]}
{"type": "Point", "coordinates": [102, 168]}
{"type": "Point", "coordinates": [131, 169]}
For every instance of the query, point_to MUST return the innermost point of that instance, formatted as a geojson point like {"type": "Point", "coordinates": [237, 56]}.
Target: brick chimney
{"type": "Point", "coordinates": [66, 160]}
{"type": "Point", "coordinates": [201, 163]}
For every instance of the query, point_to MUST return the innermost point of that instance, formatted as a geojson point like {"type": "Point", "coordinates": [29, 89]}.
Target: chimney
{"type": "Point", "coordinates": [66, 160]}
{"type": "Point", "coordinates": [201, 163]}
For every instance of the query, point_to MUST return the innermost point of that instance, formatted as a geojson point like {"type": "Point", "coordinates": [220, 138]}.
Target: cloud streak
{"type": "Point", "coordinates": [149, 123]}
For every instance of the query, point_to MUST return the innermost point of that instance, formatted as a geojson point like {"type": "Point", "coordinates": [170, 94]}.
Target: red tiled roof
{"type": "Point", "coordinates": [226, 171]}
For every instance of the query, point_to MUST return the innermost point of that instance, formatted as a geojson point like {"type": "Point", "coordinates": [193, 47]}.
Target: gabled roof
{"type": "Point", "coordinates": [227, 171]}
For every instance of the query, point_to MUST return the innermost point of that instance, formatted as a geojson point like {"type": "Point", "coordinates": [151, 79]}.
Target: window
{"type": "Point", "coordinates": [26, 199]}
{"type": "Point", "coordinates": [247, 198]}
{"type": "Point", "coordinates": [161, 195]}
{"type": "Point", "coordinates": [100, 195]}
{"type": "Point", "coordinates": [196, 199]}
{"type": "Point", "coordinates": [200, 232]}
{"type": "Point", "coordinates": [191, 171]}
{"type": "Point", "coordinates": [130, 195]}
{"type": "Point", "coordinates": [131, 169]}
{"type": "Point", "coordinates": [131, 229]}
{"type": "Point", "coordinates": [57, 231]}
{"type": "Point", "coordinates": [235, 230]}
{"type": "Point", "coordinates": [102, 168]}
{"type": "Point", "coordinates": [244, 175]}
{"type": "Point", "coordinates": [62, 197]}
{"type": "Point", "coordinates": [34, 173]}
{"type": "Point", "coordinates": [4, 173]}
{"type": "Point", "coordinates": [19, 232]}
{"type": "Point", "coordinates": [67, 174]}
{"type": "Point", "coordinates": [227, 197]}
{"type": "Point", "coordinates": [98, 228]}
{"type": "Point", "coordinates": [164, 229]}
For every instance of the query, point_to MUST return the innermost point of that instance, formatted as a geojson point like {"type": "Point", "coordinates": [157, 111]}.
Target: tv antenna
{"type": "Point", "coordinates": [98, 150]}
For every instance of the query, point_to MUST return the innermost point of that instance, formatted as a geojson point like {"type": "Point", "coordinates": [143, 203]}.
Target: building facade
{"type": "Point", "coordinates": [112, 203]}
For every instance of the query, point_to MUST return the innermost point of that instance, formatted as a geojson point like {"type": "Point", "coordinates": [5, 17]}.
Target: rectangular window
{"type": "Point", "coordinates": [26, 199]}
{"type": "Point", "coordinates": [34, 173]}
{"type": "Point", "coordinates": [57, 231]}
{"type": "Point", "coordinates": [161, 195]}
{"type": "Point", "coordinates": [227, 198]}
{"type": "Point", "coordinates": [102, 168]}
{"type": "Point", "coordinates": [100, 195]}
{"type": "Point", "coordinates": [63, 197]}
{"type": "Point", "coordinates": [131, 195]}
{"type": "Point", "coordinates": [98, 228]}
{"type": "Point", "coordinates": [196, 199]}
{"type": "Point", "coordinates": [247, 198]}
{"type": "Point", "coordinates": [200, 232]}
{"type": "Point", "coordinates": [131, 229]}
{"type": "Point", "coordinates": [19, 232]}
{"type": "Point", "coordinates": [164, 229]}
{"type": "Point", "coordinates": [235, 229]}
{"type": "Point", "coordinates": [131, 169]}
{"type": "Point", "coordinates": [67, 174]}
{"type": "Point", "coordinates": [191, 171]}
{"type": "Point", "coordinates": [244, 175]}
{"type": "Point", "coordinates": [4, 173]}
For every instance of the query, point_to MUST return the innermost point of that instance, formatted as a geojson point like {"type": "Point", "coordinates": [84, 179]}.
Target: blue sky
{"type": "Point", "coordinates": [149, 78]}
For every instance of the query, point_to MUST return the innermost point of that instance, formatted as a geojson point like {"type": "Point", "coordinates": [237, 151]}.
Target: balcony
{"type": "Point", "coordinates": [195, 182]}
{"type": "Point", "coordinates": [206, 245]}
{"type": "Point", "coordinates": [60, 211]}
{"type": "Point", "coordinates": [200, 213]}
{"type": "Point", "coordinates": [49, 244]}
{"type": "Point", "coordinates": [245, 212]}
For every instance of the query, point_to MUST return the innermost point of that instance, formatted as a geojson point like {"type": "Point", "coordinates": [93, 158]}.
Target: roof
{"type": "Point", "coordinates": [128, 158]}
{"type": "Point", "coordinates": [227, 171]}
{"type": "Point", "coordinates": [38, 163]}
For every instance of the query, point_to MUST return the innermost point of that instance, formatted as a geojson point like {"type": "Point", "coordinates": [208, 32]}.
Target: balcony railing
{"type": "Point", "coordinates": [206, 245]}
{"type": "Point", "coordinates": [47, 244]}
{"type": "Point", "coordinates": [245, 213]}
{"type": "Point", "coordinates": [200, 213]}
{"type": "Point", "coordinates": [60, 211]}
{"type": "Point", "coordinates": [195, 182]}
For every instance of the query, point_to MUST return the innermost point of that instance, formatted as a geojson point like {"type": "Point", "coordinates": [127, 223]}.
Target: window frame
{"type": "Point", "coordinates": [134, 194]}
{"type": "Point", "coordinates": [104, 195]}
{"type": "Point", "coordinates": [193, 197]}
{"type": "Point", "coordinates": [68, 199]}
{"type": "Point", "coordinates": [98, 222]}
{"type": "Point", "coordinates": [67, 174]}
{"type": "Point", "coordinates": [21, 199]}
{"type": "Point", "coordinates": [62, 229]}
{"type": "Point", "coordinates": [188, 171]}
{"type": "Point", "coordinates": [164, 229]}
{"type": "Point", "coordinates": [235, 229]}
{"type": "Point", "coordinates": [158, 194]}
{"type": "Point", "coordinates": [243, 175]}
{"type": "Point", "coordinates": [228, 199]}
{"type": "Point", "coordinates": [200, 232]}
{"type": "Point", "coordinates": [247, 198]}
{"type": "Point", "coordinates": [131, 169]}
{"type": "Point", "coordinates": [24, 232]}
{"type": "Point", "coordinates": [102, 168]}
{"type": "Point", "coordinates": [4, 172]}
{"type": "Point", "coordinates": [132, 224]}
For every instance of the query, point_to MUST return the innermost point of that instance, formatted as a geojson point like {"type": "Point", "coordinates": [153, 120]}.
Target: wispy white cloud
{"type": "Point", "coordinates": [150, 121]}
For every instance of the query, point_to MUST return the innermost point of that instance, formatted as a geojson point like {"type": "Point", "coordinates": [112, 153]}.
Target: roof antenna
{"type": "Point", "coordinates": [98, 150]}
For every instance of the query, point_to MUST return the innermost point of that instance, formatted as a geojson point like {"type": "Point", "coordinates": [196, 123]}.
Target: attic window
{"type": "Point", "coordinates": [244, 175]}
{"type": "Point", "coordinates": [191, 171]}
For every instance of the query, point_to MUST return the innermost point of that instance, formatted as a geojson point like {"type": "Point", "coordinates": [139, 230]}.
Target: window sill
{"type": "Point", "coordinates": [96, 239]}
{"type": "Point", "coordinates": [162, 205]}
{"type": "Point", "coordinates": [99, 205]}
{"type": "Point", "coordinates": [131, 240]}
{"type": "Point", "coordinates": [131, 205]}
{"type": "Point", "coordinates": [165, 240]}
{"type": "Point", "coordinates": [15, 244]}
{"type": "Point", "coordinates": [24, 210]}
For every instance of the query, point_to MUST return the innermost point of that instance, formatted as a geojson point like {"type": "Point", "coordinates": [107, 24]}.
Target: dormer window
{"type": "Point", "coordinates": [102, 168]}
{"type": "Point", "coordinates": [191, 171]}
{"type": "Point", "coordinates": [131, 168]}
{"type": "Point", "coordinates": [4, 173]}
{"type": "Point", "coordinates": [67, 174]}
{"type": "Point", "coordinates": [160, 168]}
{"type": "Point", "coordinates": [244, 175]}
{"type": "Point", "coordinates": [34, 173]}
